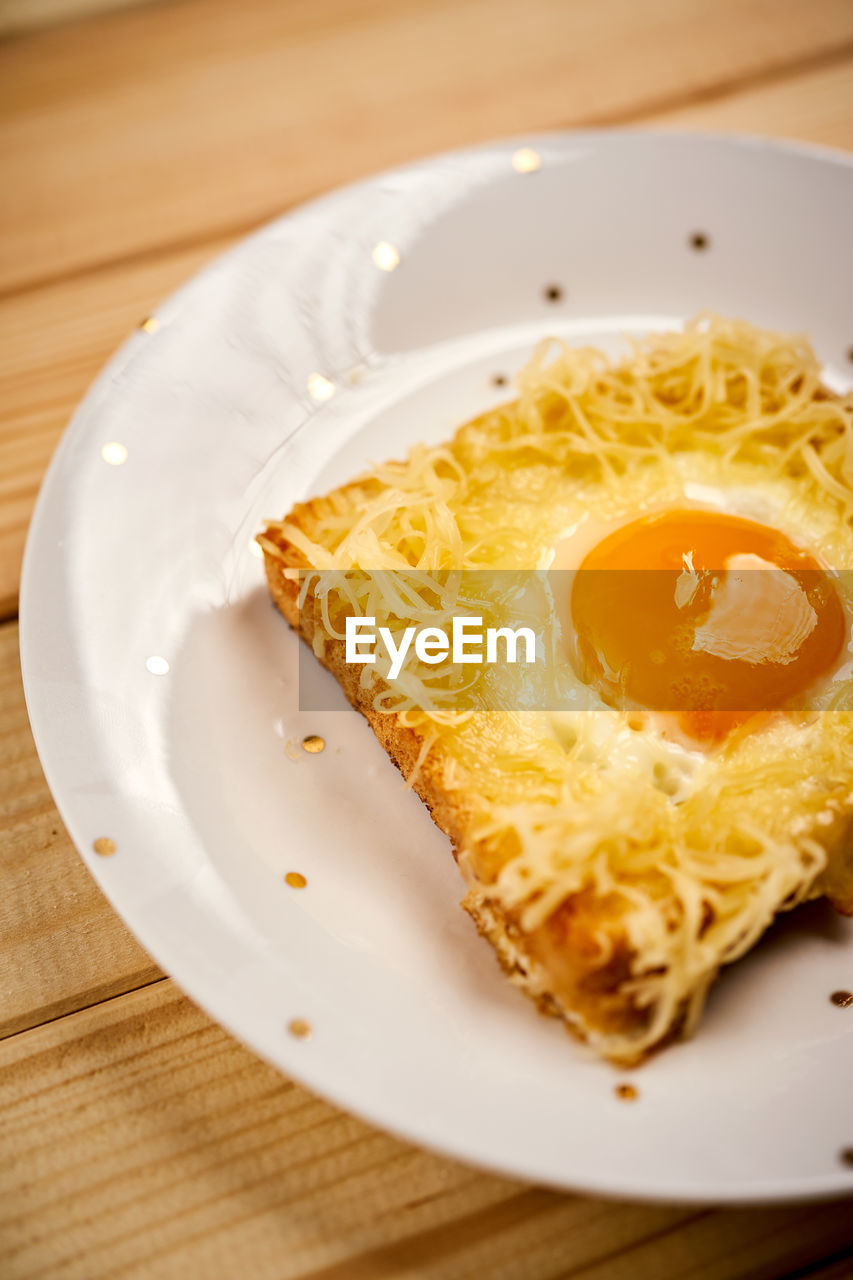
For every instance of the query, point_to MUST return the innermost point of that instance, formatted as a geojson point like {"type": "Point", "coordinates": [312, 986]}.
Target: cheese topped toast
{"type": "Point", "coordinates": [618, 852]}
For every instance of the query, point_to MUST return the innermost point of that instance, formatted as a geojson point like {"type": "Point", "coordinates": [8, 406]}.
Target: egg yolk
{"type": "Point", "coordinates": [706, 615]}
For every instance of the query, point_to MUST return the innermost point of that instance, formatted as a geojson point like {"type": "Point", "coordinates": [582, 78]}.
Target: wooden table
{"type": "Point", "coordinates": [137, 141]}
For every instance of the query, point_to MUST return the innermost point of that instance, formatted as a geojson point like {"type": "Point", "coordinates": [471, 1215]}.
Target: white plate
{"type": "Point", "coordinates": [190, 773]}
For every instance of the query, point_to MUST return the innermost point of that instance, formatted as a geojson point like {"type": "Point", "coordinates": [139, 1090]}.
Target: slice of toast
{"type": "Point", "coordinates": [607, 901]}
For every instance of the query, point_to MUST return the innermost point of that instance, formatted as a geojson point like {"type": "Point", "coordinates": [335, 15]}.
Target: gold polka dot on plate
{"type": "Point", "coordinates": [319, 387]}
{"type": "Point", "coordinates": [386, 256]}
{"type": "Point", "coordinates": [114, 453]}
{"type": "Point", "coordinates": [844, 999]}
{"type": "Point", "coordinates": [104, 846]}
{"type": "Point", "coordinates": [313, 743]}
{"type": "Point", "coordinates": [627, 1092]}
{"type": "Point", "coordinates": [526, 160]}
{"type": "Point", "coordinates": [299, 1028]}
{"type": "Point", "coordinates": [296, 879]}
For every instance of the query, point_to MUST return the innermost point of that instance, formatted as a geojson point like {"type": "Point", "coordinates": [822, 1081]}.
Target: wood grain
{"type": "Point", "coordinates": [811, 108]}
{"type": "Point", "coordinates": [17, 16]}
{"type": "Point", "coordinates": [138, 1139]}
{"type": "Point", "coordinates": [152, 127]}
{"type": "Point", "coordinates": [63, 945]}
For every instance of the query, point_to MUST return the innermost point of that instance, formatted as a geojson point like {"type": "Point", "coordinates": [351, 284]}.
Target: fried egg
{"type": "Point", "coordinates": [662, 617]}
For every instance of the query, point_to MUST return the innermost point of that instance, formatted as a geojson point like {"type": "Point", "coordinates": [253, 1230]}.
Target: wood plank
{"type": "Point", "coordinates": [138, 1137]}
{"type": "Point", "coordinates": [817, 107]}
{"type": "Point", "coordinates": [63, 945]}
{"type": "Point", "coordinates": [54, 340]}
{"type": "Point", "coordinates": [17, 16]}
{"type": "Point", "coordinates": [155, 126]}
